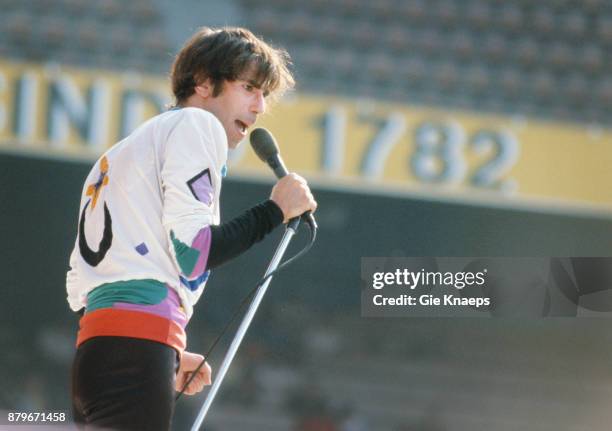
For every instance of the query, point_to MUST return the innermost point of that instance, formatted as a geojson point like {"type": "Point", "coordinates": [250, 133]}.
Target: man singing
{"type": "Point", "coordinates": [149, 231]}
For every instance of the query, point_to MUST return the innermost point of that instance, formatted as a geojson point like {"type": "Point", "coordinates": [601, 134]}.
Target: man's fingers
{"type": "Point", "coordinates": [181, 378]}
{"type": "Point", "coordinates": [293, 196]}
{"type": "Point", "coordinates": [207, 373]}
{"type": "Point", "coordinates": [201, 380]}
{"type": "Point", "coordinates": [196, 385]}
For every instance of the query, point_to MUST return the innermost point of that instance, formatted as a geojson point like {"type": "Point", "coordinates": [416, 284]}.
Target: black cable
{"type": "Point", "coordinates": [313, 237]}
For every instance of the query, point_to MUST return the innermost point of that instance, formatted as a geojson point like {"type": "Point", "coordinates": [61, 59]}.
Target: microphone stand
{"type": "Point", "coordinates": [292, 227]}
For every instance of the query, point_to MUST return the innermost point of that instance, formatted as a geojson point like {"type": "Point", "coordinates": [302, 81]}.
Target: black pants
{"type": "Point", "coordinates": [122, 383]}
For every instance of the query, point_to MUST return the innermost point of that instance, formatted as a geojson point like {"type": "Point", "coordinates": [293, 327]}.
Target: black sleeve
{"type": "Point", "coordinates": [236, 236]}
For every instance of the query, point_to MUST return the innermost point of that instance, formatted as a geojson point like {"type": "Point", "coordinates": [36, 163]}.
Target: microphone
{"type": "Point", "coordinates": [265, 147]}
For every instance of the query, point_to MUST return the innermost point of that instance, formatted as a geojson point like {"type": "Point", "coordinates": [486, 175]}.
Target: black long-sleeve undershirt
{"type": "Point", "coordinates": [234, 237]}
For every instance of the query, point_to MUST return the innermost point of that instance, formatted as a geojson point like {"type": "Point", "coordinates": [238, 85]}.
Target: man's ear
{"type": "Point", "coordinates": [204, 89]}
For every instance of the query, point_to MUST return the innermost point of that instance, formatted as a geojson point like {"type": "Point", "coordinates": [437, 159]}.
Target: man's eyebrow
{"type": "Point", "coordinates": [257, 85]}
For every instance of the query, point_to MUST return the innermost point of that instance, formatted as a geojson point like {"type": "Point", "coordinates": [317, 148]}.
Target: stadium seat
{"type": "Point", "coordinates": [396, 38]}
{"type": "Point", "coordinates": [364, 35]}
{"type": "Point", "coordinates": [477, 78]}
{"type": "Point", "coordinates": [511, 17]}
{"type": "Point", "coordinates": [382, 9]}
{"type": "Point", "coordinates": [143, 12]}
{"type": "Point", "coordinates": [75, 8]}
{"type": "Point", "coordinates": [592, 58]}
{"type": "Point", "coordinates": [462, 45]}
{"type": "Point", "coordinates": [559, 55]}
{"type": "Point", "coordinates": [446, 13]}
{"type": "Point", "coordinates": [330, 31]}
{"type": "Point", "coordinates": [19, 30]}
{"type": "Point", "coordinates": [577, 88]}
{"type": "Point", "coordinates": [574, 24]}
{"type": "Point", "coordinates": [495, 48]}
{"type": "Point", "coordinates": [53, 32]}
{"type": "Point", "coordinates": [478, 14]}
{"type": "Point", "coordinates": [413, 11]}
{"type": "Point", "coordinates": [379, 68]}
{"type": "Point", "coordinates": [543, 21]}
{"type": "Point", "coordinates": [110, 9]}
{"type": "Point", "coordinates": [446, 76]}
{"type": "Point", "coordinates": [543, 85]}
{"type": "Point", "coordinates": [511, 82]}
{"type": "Point", "coordinates": [527, 51]}
{"type": "Point", "coordinates": [87, 36]}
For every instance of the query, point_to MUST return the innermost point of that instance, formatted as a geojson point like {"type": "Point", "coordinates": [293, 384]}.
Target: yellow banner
{"type": "Point", "coordinates": [69, 111]}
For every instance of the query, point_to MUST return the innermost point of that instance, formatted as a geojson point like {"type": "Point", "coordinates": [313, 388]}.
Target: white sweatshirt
{"type": "Point", "coordinates": [161, 182]}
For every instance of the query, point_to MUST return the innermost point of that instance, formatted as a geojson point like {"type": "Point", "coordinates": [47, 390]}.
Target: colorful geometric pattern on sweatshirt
{"type": "Point", "coordinates": [145, 309]}
{"type": "Point", "coordinates": [192, 259]}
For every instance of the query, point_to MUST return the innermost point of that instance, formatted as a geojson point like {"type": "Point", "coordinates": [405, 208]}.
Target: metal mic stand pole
{"type": "Point", "coordinates": [246, 322]}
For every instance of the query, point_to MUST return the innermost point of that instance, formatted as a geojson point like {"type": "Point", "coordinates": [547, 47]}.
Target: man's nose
{"type": "Point", "coordinates": [259, 104]}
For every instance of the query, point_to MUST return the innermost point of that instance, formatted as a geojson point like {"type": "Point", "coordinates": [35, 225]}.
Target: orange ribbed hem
{"type": "Point", "coordinates": [111, 322]}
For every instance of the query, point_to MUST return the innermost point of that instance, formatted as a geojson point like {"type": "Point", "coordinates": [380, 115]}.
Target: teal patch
{"type": "Point", "coordinates": [144, 292]}
{"type": "Point", "coordinates": [186, 256]}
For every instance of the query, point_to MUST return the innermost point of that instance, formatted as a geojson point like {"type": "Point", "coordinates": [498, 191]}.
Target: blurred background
{"type": "Point", "coordinates": [425, 127]}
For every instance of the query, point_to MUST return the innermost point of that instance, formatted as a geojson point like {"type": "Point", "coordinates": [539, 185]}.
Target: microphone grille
{"type": "Point", "coordinates": [263, 143]}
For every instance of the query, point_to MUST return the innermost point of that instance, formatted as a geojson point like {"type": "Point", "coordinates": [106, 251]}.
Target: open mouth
{"type": "Point", "coordinates": [242, 126]}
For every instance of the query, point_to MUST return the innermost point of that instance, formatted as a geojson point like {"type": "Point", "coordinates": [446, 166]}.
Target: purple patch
{"type": "Point", "coordinates": [169, 308]}
{"type": "Point", "coordinates": [201, 187]}
{"type": "Point", "coordinates": [201, 242]}
{"type": "Point", "coordinates": [142, 249]}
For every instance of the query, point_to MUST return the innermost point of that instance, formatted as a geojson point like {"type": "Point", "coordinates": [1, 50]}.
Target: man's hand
{"type": "Point", "coordinates": [189, 362]}
{"type": "Point", "coordinates": [292, 194]}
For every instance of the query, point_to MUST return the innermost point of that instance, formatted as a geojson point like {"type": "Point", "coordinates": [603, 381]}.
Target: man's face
{"type": "Point", "coordinates": [236, 107]}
